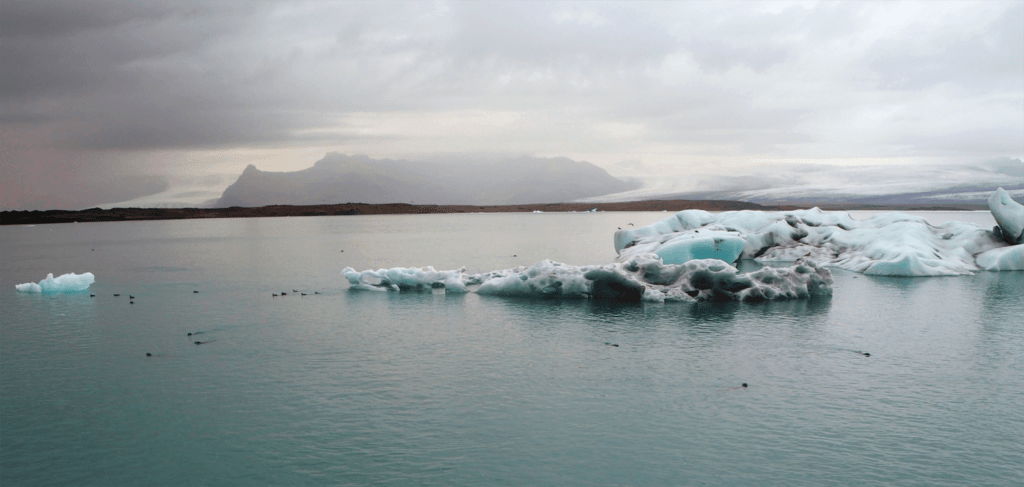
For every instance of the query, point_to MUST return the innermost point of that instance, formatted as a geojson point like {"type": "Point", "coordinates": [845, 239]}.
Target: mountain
{"type": "Point", "coordinates": [340, 178]}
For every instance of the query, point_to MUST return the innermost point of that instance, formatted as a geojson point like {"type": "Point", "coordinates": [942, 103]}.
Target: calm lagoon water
{"type": "Point", "coordinates": [355, 388]}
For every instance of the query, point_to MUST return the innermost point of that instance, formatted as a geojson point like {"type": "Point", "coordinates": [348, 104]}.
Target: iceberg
{"type": "Point", "coordinates": [1009, 215]}
{"type": "Point", "coordinates": [689, 256]}
{"type": "Point", "coordinates": [1002, 259]}
{"type": "Point", "coordinates": [406, 279]}
{"type": "Point", "coordinates": [644, 278]}
{"type": "Point", "coordinates": [890, 244]}
{"type": "Point", "coordinates": [67, 283]}
{"type": "Point", "coordinates": [648, 278]}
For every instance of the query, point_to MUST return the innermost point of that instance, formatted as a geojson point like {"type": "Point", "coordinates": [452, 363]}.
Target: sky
{"type": "Point", "coordinates": [108, 101]}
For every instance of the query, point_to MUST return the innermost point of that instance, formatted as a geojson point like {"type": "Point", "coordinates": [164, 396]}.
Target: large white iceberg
{"type": "Point", "coordinates": [66, 283]}
{"type": "Point", "coordinates": [890, 244]}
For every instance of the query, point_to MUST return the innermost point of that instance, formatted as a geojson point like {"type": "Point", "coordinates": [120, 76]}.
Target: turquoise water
{"type": "Point", "coordinates": [357, 388]}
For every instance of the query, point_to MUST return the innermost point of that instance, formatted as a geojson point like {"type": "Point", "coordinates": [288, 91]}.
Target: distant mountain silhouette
{"type": "Point", "coordinates": [340, 178]}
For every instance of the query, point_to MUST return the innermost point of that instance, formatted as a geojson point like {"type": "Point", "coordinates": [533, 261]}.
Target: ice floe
{"type": "Point", "coordinates": [1009, 215]}
{"type": "Point", "coordinates": [66, 283]}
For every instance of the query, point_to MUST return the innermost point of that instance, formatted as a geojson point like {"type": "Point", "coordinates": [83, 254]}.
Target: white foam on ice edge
{"type": "Point", "coordinates": [66, 283]}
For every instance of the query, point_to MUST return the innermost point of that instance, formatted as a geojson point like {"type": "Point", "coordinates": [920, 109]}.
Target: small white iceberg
{"type": "Point", "coordinates": [67, 283]}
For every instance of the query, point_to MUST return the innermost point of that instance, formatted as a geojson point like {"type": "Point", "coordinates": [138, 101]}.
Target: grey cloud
{"type": "Point", "coordinates": [137, 76]}
{"type": "Point", "coordinates": [973, 57]}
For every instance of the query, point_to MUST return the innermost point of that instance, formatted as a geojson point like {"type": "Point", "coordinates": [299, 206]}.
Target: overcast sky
{"type": "Point", "coordinates": [102, 100]}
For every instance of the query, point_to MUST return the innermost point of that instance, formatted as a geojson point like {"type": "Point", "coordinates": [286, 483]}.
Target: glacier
{"type": "Point", "coordinates": [690, 256]}
{"type": "Point", "coordinates": [67, 283]}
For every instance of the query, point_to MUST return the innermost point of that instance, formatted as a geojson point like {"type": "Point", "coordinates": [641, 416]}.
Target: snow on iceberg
{"type": "Point", "coordinates": [67, 283]}
{"type": "Point", "coordinates": [890, 244]}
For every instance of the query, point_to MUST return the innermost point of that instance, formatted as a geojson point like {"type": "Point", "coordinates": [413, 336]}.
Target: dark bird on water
{"type": "Point", "coordinates": [149, 354]}
{"type": "Point", "coordinates": [131, 302]}
{"type": "Point", "coordinates": [131, 297]}
{"type": "Point", "coordinates": [117, 295]}
{"type": "Point", "coordinates": [303, 294]}
{"type": "Point", "coordinates": [92, 295]}
{"type": "Point", "coordinates": [196, 292]}
{"type": "Point", "coordinates": [274, 295]}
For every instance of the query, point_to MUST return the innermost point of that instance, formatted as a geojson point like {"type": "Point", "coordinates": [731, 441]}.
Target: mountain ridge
{"type": "Point", "coordinates": [340, 178]}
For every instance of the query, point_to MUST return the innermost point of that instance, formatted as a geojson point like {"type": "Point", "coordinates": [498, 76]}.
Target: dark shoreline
{"type": "Point", "coordinates": [136, 214]}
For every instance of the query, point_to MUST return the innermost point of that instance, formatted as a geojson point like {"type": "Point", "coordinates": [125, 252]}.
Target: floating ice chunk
{"type": "Point", "coordinates": [545, 278]}
{"type": "Point", "coordinates": [644, 278]}
{"type": "Point", "coordinates": [67, 283]}
{"type": "Point", "coordinates": [1009, 215]}
{"type": "Point", "coordinates": [1003, 259]}
{"type": "Point", "coordinates": [890, 244]}
{"type": "Point", "coordinates": [406, 279]}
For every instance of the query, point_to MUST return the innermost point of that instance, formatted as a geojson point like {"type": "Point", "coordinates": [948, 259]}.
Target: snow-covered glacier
{"type": "Point", "coordinates": [690, 255]}
{"type": "Point", "coordinates": [66, 283]}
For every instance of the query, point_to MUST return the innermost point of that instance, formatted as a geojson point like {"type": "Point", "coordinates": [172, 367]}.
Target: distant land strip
{"type": "Point", "coordinates": [36, 217]}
